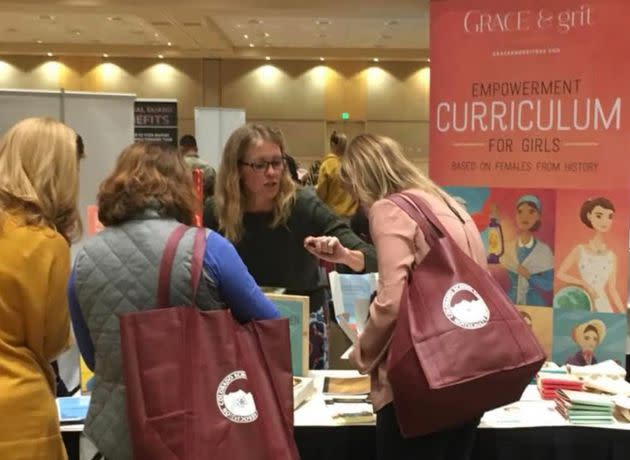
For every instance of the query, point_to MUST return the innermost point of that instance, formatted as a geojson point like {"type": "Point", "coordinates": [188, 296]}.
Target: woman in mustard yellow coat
{"type": "Point", "coordinates": [329, 188]}
{"type": "Point", "coordinates": [38, 218]}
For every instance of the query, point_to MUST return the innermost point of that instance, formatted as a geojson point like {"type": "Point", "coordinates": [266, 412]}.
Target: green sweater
{"type": "Point", "coordinates": [276, 256]}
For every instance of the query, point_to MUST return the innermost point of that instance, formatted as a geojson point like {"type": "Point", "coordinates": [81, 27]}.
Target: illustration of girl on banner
{"type": "Point", "coordinates": [587, 336]}
{"type": "Point", "coordinates": [595, 262]}
{"type": "Point", "coordinates": [528, 260]}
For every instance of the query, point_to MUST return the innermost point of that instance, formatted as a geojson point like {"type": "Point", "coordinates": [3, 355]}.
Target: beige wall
{"type": "Point", "coordinates": [301, 97]}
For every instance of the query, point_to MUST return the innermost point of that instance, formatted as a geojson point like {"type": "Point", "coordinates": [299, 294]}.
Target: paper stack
{"type": "Point", "coordinates": [352, 412]}
{"type": "Point", "coordinates": [582, 408]}
{"type": "Point", "coordinates": [303, 390]}
{"type": "Point", "coordinates": [623, 408]}
{"type": "Point", "coordinates": [608, 369]}
{"type": "Point", "coordinates": [548, 384]}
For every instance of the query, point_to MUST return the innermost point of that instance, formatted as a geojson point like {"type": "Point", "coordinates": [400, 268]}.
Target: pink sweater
{"type": "Point", "coordinates": [399, 244]}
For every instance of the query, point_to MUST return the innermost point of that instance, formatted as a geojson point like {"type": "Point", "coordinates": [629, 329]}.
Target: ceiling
{"type": "Point", "coordinates": [280, 29]}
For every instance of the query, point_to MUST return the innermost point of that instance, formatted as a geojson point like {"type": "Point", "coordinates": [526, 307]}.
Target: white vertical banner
{"type": "Point", "coordinates": [213, 127]}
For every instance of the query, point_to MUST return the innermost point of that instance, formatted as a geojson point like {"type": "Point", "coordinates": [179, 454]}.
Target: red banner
{"type": "Point", "coordinates": [530, 93]}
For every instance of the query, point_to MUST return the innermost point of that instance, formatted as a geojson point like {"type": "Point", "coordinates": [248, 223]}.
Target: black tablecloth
{"type": "Point", "coordinates": [552, 443]}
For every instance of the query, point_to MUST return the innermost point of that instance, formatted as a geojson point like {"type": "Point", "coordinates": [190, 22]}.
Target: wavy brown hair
{"type": "Point", "coordinates": [229, 192]}
{"type": "Point", "coordinates": [147, 175]}
{"type": "Point", "coordinates": [39, 177]}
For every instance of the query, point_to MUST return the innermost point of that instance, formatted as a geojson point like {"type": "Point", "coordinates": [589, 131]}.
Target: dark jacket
{"type": "Point", "coordinates": [276, 256]}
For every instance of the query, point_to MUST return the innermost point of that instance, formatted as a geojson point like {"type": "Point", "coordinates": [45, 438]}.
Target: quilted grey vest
{"type": "Point", "coordinates": [117, 273]}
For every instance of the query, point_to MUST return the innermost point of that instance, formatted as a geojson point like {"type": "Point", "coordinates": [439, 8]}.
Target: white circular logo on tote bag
{"type": "Point", "coordinates": [238, 406]}
{"type": "Point", "coordinates": [464, 307]}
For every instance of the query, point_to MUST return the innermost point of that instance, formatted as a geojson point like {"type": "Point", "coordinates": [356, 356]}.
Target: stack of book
{"type": "Point", "coordinates": [347, 400]}
{"type": "Point", "coordinates": [548, 384]}
{"type": "Point", "coordinates": [582, 408]}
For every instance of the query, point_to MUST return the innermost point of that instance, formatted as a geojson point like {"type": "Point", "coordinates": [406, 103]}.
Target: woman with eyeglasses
{"type": "Point", "coordinates": [279, 229]}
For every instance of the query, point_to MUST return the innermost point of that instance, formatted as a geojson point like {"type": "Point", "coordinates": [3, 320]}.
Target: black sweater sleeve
{"type": "Point", "coordinates": [319, 220]}
{"type": "Point", "coordinates": [209, 215]}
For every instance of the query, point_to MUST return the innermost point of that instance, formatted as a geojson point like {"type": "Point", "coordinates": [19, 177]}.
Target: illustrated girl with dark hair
{"type": "Point", "coordinates": [596, 263]}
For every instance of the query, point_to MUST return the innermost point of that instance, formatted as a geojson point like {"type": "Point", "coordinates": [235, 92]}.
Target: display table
{"type": "Point", "coordinates": [527, 429]}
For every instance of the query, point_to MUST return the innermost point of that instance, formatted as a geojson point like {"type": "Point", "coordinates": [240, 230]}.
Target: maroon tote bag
{"type": "Point", "coordinates": [199, 385]}
{"type": "Point", "coordinates": [459, 347]}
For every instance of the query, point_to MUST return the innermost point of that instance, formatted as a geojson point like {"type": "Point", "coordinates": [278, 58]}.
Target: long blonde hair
{"type": "Point", "coordinates": [230, 196]}
{"type": "Point", "coordinates": [39, 175]}
{"type": "Point", "coordinates": [374, 167]}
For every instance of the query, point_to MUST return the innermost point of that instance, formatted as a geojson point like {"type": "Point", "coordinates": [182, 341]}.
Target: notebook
{"type": "Point", "coordinates": [73, 409]}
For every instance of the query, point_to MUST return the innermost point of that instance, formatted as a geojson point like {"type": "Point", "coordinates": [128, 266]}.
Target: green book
{"type": "Point", "coordinates": [296, 309]}
{"type": "Point", "coordinates": [586, 399]}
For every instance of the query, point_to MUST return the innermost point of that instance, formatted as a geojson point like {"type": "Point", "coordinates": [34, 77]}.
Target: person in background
{"type": "Point", "coordinates": [329, 187]}
{"type": "Point", "coordinates": [293, 167]}
{"type": "Point", "coordinates": [280, 229]}
{"type": "Point", "coordinates": [38, 220]}
{"type": "Point", "coordinates": [360, 224]}
{"type": "Point", "coordinates": [188, 149]}
{"type": "Point", "coordinates": [374, 168]}
{"type": "Point", "coordinates": [149, 193]}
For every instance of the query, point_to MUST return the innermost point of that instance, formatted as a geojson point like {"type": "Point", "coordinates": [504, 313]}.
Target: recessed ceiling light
{"type": "Point", "coordinates": [238, 26]}
{"type": "Point", "coordinates": [375, 59]}
{"type": "Point", "coordinates": [160, 56]}
{"type": "Point", "coordinates": [39, 42]}
{"type": "Point", "coordinates": [266, 34]}
{"type": "Point", "coordinates": [245, 36]}
{"type": "Point", "coordinates": [428, 59]}
{"type": "Point", "coordinates": [105, 55]}
{"type": "Point", "coordinates": [156, 34]}
{"type": "Point", "coordinates": [323, 22]}
{"type": "Point", "coordinates": [251, 45]}
{"type": "Point", "coordinates": [169, 44]}
{"type": "Point", "coordinates": [322, 59]}
{"type": "Point", "coordinates": [267, 58]}
{"type": "Point", "coordinates": [114, 18]}
{"type": "Point", "coordinates": [49, 54]}
{"type": "Point", "coordinates": [76, 32]}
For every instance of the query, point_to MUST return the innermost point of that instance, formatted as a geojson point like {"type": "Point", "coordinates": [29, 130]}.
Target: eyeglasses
{"type": "Point", "coordinates": [277, 164]}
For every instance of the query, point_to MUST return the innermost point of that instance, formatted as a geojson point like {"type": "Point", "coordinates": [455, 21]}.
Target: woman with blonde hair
{"type": "Point", "coordinates": [329, 187]}
{"type": "Point", "coordinates": [374, 168]}
{"type": "Point", "coordinates": [145, 198]}
{"type": "Point", "coordinates": [38, 219]}
{"type": "Point", "coordinates": [280, 229]}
